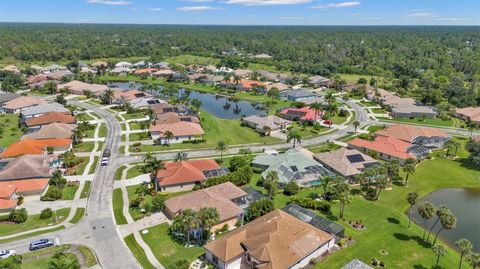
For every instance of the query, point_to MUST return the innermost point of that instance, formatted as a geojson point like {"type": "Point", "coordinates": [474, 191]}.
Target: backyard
{"type": "Point", "coordinates": [9, 131]}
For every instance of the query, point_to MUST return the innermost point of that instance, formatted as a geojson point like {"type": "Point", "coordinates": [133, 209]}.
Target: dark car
{"type": "Point", "coordinates": [42, 243]}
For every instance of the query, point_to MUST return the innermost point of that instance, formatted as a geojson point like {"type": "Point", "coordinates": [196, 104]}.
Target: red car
{"type": "Point", "coordinates": [328, 122]}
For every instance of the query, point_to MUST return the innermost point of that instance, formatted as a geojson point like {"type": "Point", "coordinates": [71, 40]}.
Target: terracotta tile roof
{"type": "Point", "coordinates": [278, 239]}
{"type": "Point", "coordinates": [172, 117]}
{"type": "Point", "coordinates": [386, 145]}
{"type": "Point", "coordinates": [219, 197]}
{"type": "Point", "coordinates": [28, 185]}
{"type": "Point", "coordinates": [7, 204]}
{"type": "Point", "coordinates": [181, 128]}
{"type": "Point", "coordinates": [185, 171]}
{"type": "Point", "coordinates": [303, 114]}
{"type": "Point", "coordinates": [145, 71]}
{"type": "Point", "coordinates": [7, 191]}
{"type": "Point", "coordinates": [78, 87]}
{"type": "Point", "coordinates": [23, 101]}
{"type": "Point", "coordinates": [340, 162]}
{"type": "Point", "coordinates": [26, 167]}
{"type": "Point", "coordinates": [408, 132]}
{"type": "Point", "coordinates": [165, 108]}
{"type": "Point", "coordinates": [37, 78]}
{"type": "Point", "coordinates": [31, 146]}
{"type": "Point", "coordinates": [473, 113]}
{"type": "Point", "coordinates": [52, 130]}
{"type": "Point", "coordinates": [249, 84]}
{"type": "Point", "coordinates": [130, 94]}
{"type": "Point", "coordinates": [50, 117]}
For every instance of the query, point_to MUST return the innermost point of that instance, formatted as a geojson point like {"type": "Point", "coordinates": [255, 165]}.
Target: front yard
{"type": "Point", "coordinates": [428, 121]}
{"type": "Point", "coordinates": [33, 222]}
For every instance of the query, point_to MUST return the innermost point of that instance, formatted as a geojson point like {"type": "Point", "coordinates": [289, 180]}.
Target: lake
{"type": "Point", "coordinates": [216, 105]}
{"type": "Point", "coordinates": [465, 205]}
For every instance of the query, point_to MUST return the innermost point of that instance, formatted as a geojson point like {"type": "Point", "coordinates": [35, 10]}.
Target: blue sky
{"type": "Point", "coordinates": [245, 12]}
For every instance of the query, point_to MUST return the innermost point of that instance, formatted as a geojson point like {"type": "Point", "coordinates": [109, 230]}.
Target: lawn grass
{"type": "Point", "coordinates": [135, 171]}
{"type": "Point", "coordinates": [138, 252]}
{"type": "Point", "coordinates": [368, 103]}
{"type": "Point", "coordinates": [86, 189]}
{"type": "Point", "coordinates": [94, 165]}
{"type": "Point", "coordinates": [11, 132]}
{"type": "Point", "coordinates": [88, 255]}
{"type": "Point", "coordinates": [353, 78]}
{"type": "Point", "coordinates": [324, 147]}
{"type": "Point", "coordinates": [102, 132]}
{"type": "Point", "coordinates": [139, 136]}
{"type": "Point", "coordinates": [134, 125]}
{"type": "Point", "coordinates": [133, 116]}
{"type": "Point", "coordinates": [187, 59]}
{"type": "Point", "coordinates": [84, 147]}
{"type": "Point", "coordinates": [428, 121]}
{"type": "Point", "coordinates": [166, 249]}
{"type": "Point", "coordinates": [121, 149]}
{"type": "Point", "coordinates": [44, 261]}
{"type": "Point", "coordinates": [33, 222]}
{"type": "Point", "coordinates": [84, 116]}
{"type": "Point", "coordinates": [32, 234]}
{"type": "Point", "coordinates": [336, 119]}
{"type": "Point", "coordinates": [118, 207]}
{"type": "Point", "coordinates": [375, 128]}
{"type": "Point", "coordinates": [378, 111]}
{"type": "Point", "coordinates": [78, 215]}
{"type": "Point", "coordinates": [118, 173]}
{"type": "Point", "coordinates": [69, 191]}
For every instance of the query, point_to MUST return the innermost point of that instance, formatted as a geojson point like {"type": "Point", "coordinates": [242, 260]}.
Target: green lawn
{"type": "Point", "coordinates": [324, 147]}
{"type": "Point", "coordinates": [217, 129]}
{"type": "Point", "coordinates": [118, 173]}
{"type": "Point", "coordinates": [86, 189]}
{"type": "Point", "coordinates": [132, 116]}
{"type": "Point", "coordinates": [79, 168]}
{"type": "Point", "coordinates": [33, 222]}
{"type": "Point", "coordinates": [69, 191]}
{"type": "Point", "coordinates": [9, 131]}
{"type": "Point", "coordinates": [368, 103]}
{"type": "Point", "coordinates": [118, 207]}
{"type": "Point", "coordinates": [102, 132]}
{"type": "Point", "coordinates": [135, 171]}
{"type": "Point", "coordinates": [94, 165]}
{"type": "Point", "coordinates": [84, 116]}
{"type": "Point", "coordinates": [84, 147]}
{"type": "Point", "coordinates": [186, 59]}
{"type": "Point", "coordinates": [375, 128]}
{"type": "Point", "coordinates": [43, 262]}
{"type": "Point", "coordinates": [336, 119]}
{"type": "Point", "coordinates": [78, 215]}
{"type": "Point", "coordinates": [88, 255]}
{"type": "Point", "coordinates": [427, 121]}
{"type": "Point", "coordinates": [121, 149]}
{"type": "Point", "coordinates": [167, 250]}
{"type": "Point", "coordinates": [353, 78]}
{"type": "Point", "coordinates": [138, 252]}
{"type": "Point", "coordinates": [32, 234]}
{"type": "Point", "coordinates": [379, 111]}
{"type": "Point", "coordinates": [139, 136]}
{"type": "Point", "coordinates": [134, 125]}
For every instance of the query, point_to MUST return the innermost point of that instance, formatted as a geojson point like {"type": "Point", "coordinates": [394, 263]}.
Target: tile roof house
{"type": "Point", "coordinates": [51, 131]}
{"type": "Point", "coordinates": [277, 240]}
{"type": "Point", "coordinates": [121, 96]}
{"type": "Point", "coordinates": [172, 117]}
{"type": "Point", "coordinates": [26, 167]}
{"type": "Point", "coordinates": [8, 199]}
{"type": "Point", "coordinates": [28, 187]}
{"type": "Point", "coordinates": [279, 85]}
{"type": "Point", "coordinates": [7, 96]}
{"type": "Point", "coordinates": [293, 165]}
{"type": "Point", "coordinates": [36, 78]}
{"type": "Point", "coordinates": [319, 80]}
{"type": "Point", "coordinates": [17, 105]}
{"type": "Point", "coordinates": [221, 197]}
{"type": "Point", "coordinates": [79, 88]}
{"type": "Point", "coordinates": [163, 73]}
{"type": "Point", "coordinates": [60, 74]}
{"type": "Point", "coordinates": [182, 130]}
{"type": "Point", "coordinates": [304, 114]}
{"type": "Point", "coordinates": [145, 71]}
{"type": "Point", "coordinates": [469, 114]}
{"type": "Point", "coordinates": [183, 175]}
{"type": "Point", "coordinates": [411, 134]}
{"type": "Point", "coordinates": [32, 146]}
{"type": "Point", "coordinates": [50, 117]}
{"type": "Point", "coordinates": [266, 124]}
{"type": "Point", "coordinates": [36, 111]}
{"type": "Point", "coordinates": [55, 67]}
{"type": "Point", "coordinates": [412, 111]}
{"type": "Point", "coordinates": [346, 162]}
{"type": "Point", "coordinates": [390, 148]}
{"type": "Point", "coordinates": [244, 73]}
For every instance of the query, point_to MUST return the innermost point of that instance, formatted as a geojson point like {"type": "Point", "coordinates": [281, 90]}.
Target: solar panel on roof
{"type": "Point", "coordinates": [355, 158]}
{"type": "Point", "coordinates": [186, 119]}
{"type": "Point", "coordinates": [168, 109]}
{"type": "Point", "coordinates": [294, 168]}
{"type": "Point", "coordinates": [139, 95]}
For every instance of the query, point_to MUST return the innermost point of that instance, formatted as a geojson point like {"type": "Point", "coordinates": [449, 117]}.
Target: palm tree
{"type": "Point", "coordinates": [326, 183]}
{"type": "Point", "coordinates": [329, 97]}
{"type": "Point", "coordinates": [356, 124]}
{"type": "Point", "coordinates": [152, 166]}
{"type": "Point", "coordinates": [236, 79]}
{"type": "Point", "coordinates": [168, 136]}
{"type": "Point", "coordinates": [108, 96]}
{"type": "Point", "coordinates": [332, 108]}
{"type": "Point", "coordinates": [196, 104]}
{"type": "Point", "coordinates": [440, 212]}
{"type": "Point", "coordinates": [271, 182]}
{"type": "Point", "coordinates": [221, 147]}
{"type": "Point", "coordinates": [315, 106]}
{"type": "Point", "coordinates": [343, 196]}
{"type": "Point", "coordinates": [474, 260]}
{"type": "Point", "coordinates": [245, 152]}
{"type": "Point", "coordinates": [295, 136]}
{"type": "Point", "coordinates": [412, 200]}
{"type": "Point", "coordinates": [267, 130]}
{"type": "Point", "coordinates": [147, 157]}
{"type": "Point", "coordinates": [190, 221]}
{"type": "Point", "coordinates": [449, 145]}
{"type": "Point", "coordinates": [440, 250]}
{"type": "Point", "coordinates": [273, 93]}
{"type": "Point", "coordinates": [208, 217]}
{"type": "Point", "coordinates": [382, 183]}
{"type": "Point", "coordinates": [465, 247]}
{"type": "Point", "coordinates": [448, 222]}
{"type": "Point", "coordinates": [426, 211]}
{"type": "Point", "coordinates": [144, 125]}
{"type": "Point", "coordinates": [409, 168]}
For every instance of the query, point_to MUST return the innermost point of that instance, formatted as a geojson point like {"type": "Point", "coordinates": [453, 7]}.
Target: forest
{"type": "Point", "coordinates": [432, 62]}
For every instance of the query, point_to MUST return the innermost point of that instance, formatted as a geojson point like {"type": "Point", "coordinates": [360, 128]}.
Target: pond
{"type": "Point", "coordinates": [216, 105]}
{"type": "Point", "coordinates": [465, 205]}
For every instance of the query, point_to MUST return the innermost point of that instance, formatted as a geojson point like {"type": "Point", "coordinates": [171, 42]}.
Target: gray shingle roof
{"type": "Point", "coordinates": [42, 109]}
{"type": "Point", "coordinates": [356, 264]}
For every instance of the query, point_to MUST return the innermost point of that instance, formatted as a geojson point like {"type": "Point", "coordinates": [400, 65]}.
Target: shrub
{"type": "Point", "coordinates": [323, 206]}
{"type": "Point", "coordinates": [194, 141]}
{"type": "Point", "coordinates": [180, 264]}
{"type": "Point", "coordinates": [53, 193]}
{"type": "Point", "coordinates": [240, 177]}
{"type": "Point", "coordinates": [237, 162]}
{"type": "Point", "coordinates": [136, 144]}
{"type": "Point", "coordinates": [291, 188]}
{"type": "Point", "coordinates": [18, 215]}
{"type": "Point", "coordinates": [342, 113]}
{"type": "Point", "coordinates": [158, 203]}
{"type": "Point", "coordinates": [46, 213]}
{"type": "Point", "coordinates": [20, 200]}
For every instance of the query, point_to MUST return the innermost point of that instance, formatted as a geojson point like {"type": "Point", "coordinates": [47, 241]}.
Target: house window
{"type": "Point", "coordinates": [215, 259]}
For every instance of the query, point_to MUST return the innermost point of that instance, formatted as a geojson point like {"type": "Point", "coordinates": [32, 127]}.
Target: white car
{"type": "Point", "coordinates": [6, 253]}
{"type": "Point", "coordinates": [104, 161]}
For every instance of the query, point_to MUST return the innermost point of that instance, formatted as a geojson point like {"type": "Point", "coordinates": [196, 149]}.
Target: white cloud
{"type": "Point", "coordinates": [422, 14]}
{"type": "Point", "coordinates": [197, 1]}
{"type": "Point", "coordinates": [337, 5]}
{"type": "Point", "coordinates": [434, 17]}
{"type": "Point", "coordinates": [292, 18]}
{"type": "Point", "coordinates": [109, 2]}
{"type": "Point", "coordinates": [154, 9]}
{"type": "Point", "coordinates": [267, 2]}
{"type": "Point", "coordinates": [198, 8]}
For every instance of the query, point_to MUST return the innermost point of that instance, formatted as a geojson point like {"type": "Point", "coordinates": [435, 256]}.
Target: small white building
{"type": "Point", "coordinates": [123, 65]}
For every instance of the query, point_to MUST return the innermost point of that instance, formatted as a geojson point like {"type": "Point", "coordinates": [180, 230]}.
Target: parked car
{"type": "Point", "coordinates": [42, 243]}
{"type": "Point", "coordinates": [106, 153]}
{"type": "Point", "coordinates": [6, 253]}
{"type": "Point", "coordinates": [104, 161]}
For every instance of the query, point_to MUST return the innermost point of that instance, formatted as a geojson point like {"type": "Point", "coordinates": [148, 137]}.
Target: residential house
{"type": "Point", "coordinates": [48, 118]}
{"type": "Point", "coordinates": [8, 198]}
{"type": "Point", "coordinates": [11, 68]}
{"type": "Point", "coordinates": [428, 137]}
{"type": "Point", "coordinates": [36, 111]}
{"type": "Point", "coordinates": [276, 240]}
{"type": "Point", "coordinates": [262, 56]}
{"type": "Point", "coordinates": [164, 73]}
{"type": "Point", "coordinates": [21, 103]}
{"type": "Point", "coordinates": [225, 198]}
{"type": "Point", "coordinates": [346, 162]}
{"type": "Point", "coordinates": [123, 65]}
{"type": "Point", "coordinates": [80, 88]}
{"type": "Point", "coordinates": [248, 85]}
{"type": "Point", "coordinates": [181, 131]}
{"type": "Point", "coordinates": [409, 111]}
{"type": "Point", "coordinates": [243, 73]}
{"type": "Point", "coordinates": [42, 84]}
{"type": "Point", "coordinates": [357, 87]}
{"type": "Point", "coordinates": [6, 97]}
{"type": "Point", "coordinates": [54, 68]}
{"type": "Point", "coordinates": [356, 264]}
{"type": "Point", "coordinates": [297, 95]}
{"type": "Point", "coordinates": [469, 114]}
{"type": "Point", "coordinates": [38, 69]}
{"type": "Point", "coordinates": [145, 102]}
{"type": "Point", "coordinates": [52, 131]}
{"type": "Point", "coordinates": [121, 96]}
{"type": "Point", "coordinates": [184, 175]}
{"type": "Point", "coordinates": [145, 71]}
{"type": "Point", "coordinates": [60, 74]}
{"type": "Point", "coordinates": [390, 148]}
{"type": "Point", "coordinates": [99, 64]}
{"type": "Point", "coordinates": [304, 114]}
{"type": "Point", "coordinates": [318, 81]}
{"type": "Point", "coordinates": [271, 76]}
{"type": "Point", "coordinates": [266, 124]}
{"type": "Point", "coordinates": [172, 117]}
{"type": "Point", "coordinates": [39, 147]}
{"type": "Point", "coordinates": [162, 108]}
{"type": "Point", "coordinates": [162, 65]}
{"type": "Point", "coordinates": [293, 165]}
{"type": "Point", "coordinates": [36, 78]}
{"type": "Point", "coordinates": [142, 64]}
{"type": "Point", "coordinates": [279, 85]}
